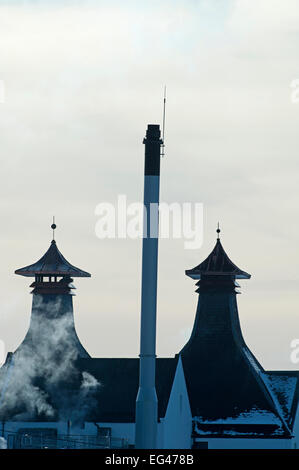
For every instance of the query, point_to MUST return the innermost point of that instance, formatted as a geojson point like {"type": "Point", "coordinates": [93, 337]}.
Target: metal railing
{"type": "Point", "coordinates": [63, 441]}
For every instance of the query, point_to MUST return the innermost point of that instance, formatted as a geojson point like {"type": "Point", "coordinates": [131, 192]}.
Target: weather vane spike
{"type": "Point", "coordinates": [53, 227]}
{"type": "Point", "coordinates": [218, 231]}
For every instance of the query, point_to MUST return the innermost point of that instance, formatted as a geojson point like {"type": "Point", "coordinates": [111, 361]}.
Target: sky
{"type": "Point", "coordinates": [82, 81]}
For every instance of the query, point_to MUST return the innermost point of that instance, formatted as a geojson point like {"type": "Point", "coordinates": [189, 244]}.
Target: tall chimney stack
{"type": "Point", "coordinates": [146, 402]}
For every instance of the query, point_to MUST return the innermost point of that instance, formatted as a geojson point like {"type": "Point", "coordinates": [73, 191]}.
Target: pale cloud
{"type": "Point", "coordinates": [82, 81]}
{"type": "Point", "coordinates": [265, 15]}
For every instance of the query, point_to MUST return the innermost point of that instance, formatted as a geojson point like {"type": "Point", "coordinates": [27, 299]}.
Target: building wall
{"type": "Point", "coordinates": [177, 423]}
{"type": "Point", "coordinates": [14, 426]}
{"type": "Point", "coordinates": [247, 443]}
{"type": "Point", "coordinates": [121, 433]}
{"type": "Point", "coordinates": [127, 431]}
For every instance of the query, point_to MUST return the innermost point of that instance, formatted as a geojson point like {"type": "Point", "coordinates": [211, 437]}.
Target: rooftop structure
{"type": "Point", "coordinates": [230, 393]}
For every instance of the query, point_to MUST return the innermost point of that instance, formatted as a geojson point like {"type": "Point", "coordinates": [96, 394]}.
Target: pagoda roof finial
{"type": "Point", "coordinates": [218, 231]}
{"type": "Point", "coordinates": [53, 227]}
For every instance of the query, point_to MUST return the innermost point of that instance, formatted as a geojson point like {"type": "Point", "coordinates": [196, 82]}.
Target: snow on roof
{"type": "Point", "coordinates": [255, 416]}
{"type": "Point", "coordinates": [283, 386]}
{"type": "Point", "coordinates": [254, 423]}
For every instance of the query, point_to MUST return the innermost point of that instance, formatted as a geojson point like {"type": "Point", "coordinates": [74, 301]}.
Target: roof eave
{"type": "Point", "coordinates": [198, 275]}
{"type": "Point", "coordinates": [30, 273]}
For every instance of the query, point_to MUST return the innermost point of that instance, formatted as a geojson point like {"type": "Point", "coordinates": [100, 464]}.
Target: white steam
{"type": "Point", "coordinates": [3, 443]}
{"type": "Point", "coordinates": [42, 378]}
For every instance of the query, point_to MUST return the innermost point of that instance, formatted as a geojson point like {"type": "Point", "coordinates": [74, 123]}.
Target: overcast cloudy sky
{"type": "Point", "coordinates": [83, 79]}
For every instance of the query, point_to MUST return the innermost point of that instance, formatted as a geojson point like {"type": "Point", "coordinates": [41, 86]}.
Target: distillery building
{"type": "Point", "coordinates": [212, 394]}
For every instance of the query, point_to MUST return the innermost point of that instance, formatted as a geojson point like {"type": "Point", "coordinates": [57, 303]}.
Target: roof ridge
{"type": "Point", "coordinates": [258, 370]}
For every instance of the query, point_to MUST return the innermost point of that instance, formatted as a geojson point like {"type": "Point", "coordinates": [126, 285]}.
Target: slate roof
{"type": "Point", "coordinates": [115, 399]}
{"type": "Point", "coordinates": [230, 393]}
{"type": "Point", "coordinates": [119, 380]}
{"type": "Point", "coordinates": [217, 264]}
{"type": "Point", "coordinates": [254, 410]}
{"type": "Point", "coordinates": [52, 263]}
{"type": "Point", "coordinates": [284, 386]}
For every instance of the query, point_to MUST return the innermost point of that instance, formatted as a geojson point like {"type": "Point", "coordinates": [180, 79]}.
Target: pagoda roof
{"type": "Point", "coordinates": [217, 264]}
{"type": "Point", "coordinates": [52, 263]}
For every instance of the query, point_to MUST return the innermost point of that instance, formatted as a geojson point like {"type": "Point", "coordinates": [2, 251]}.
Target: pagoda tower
{"type": "Point", "coordinates": [52, 301]}
{"type": "Point", "coordinates": [43, 380]}
{"type": "Point", "coordinates": [230, 393]}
